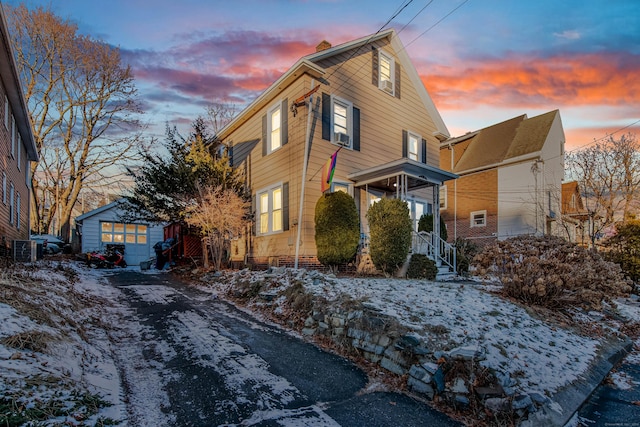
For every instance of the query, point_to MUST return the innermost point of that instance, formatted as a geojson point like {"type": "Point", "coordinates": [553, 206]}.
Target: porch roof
{"type": "Point", "coordinates": [418, 175]}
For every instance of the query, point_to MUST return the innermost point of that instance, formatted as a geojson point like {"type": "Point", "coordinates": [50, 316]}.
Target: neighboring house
{"type": "Point", "coordinates": [17, 148]}
{"type": "Point", "coordinates": [104, 226]}
{"type": "Point", "coordinates": [510, 177]}
{"type": "Point", "coordinates": [362, 99]}
{"type": "Point", "coordinates": [575, 218]}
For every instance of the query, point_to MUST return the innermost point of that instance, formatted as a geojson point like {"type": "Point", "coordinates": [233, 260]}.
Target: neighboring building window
{"type": "Point", "coordinates": [12, 210]}
{"type": "Point", "coordinates": [270, 210]}
{"type": "Point", "coordinates": [274, 128]}
{"type": "Point", "coordinates": [13, 136]}
{"type": "Point", "coordinates": [342, 121]}
{"type": "Point", "coordinates": [479, 219]}
{"type": "Point", "coordinates": [4, 188]}
{"type": "Point", "coordinates": [18, 211]}
{"type": "Point", "coordinates": [6, 112]}
{"type": "Point", "coordinates": [443, 197]}
{"type": "Point", "coordinates": [19, 148]}
{"type": "Point", "coordinates": [413, 147]}
{"type": "Point", "coordinates": [386, 72]}
{"type": "Point", "coordinates": [117, 232]}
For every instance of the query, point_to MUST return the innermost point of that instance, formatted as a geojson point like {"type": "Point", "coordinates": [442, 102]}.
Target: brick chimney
{"type": "Point", "coordinates": [323, 45]}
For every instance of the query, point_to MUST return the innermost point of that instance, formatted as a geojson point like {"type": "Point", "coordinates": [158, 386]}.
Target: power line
{"type": "Point", "coordinates": [439, 21]}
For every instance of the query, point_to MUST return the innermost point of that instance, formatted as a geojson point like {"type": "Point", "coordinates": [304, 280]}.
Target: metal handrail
{"type": "Point", "coordinates": [426, 243]}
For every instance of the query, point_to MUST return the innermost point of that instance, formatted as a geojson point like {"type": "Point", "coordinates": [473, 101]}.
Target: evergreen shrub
{"type": "Point", "coordinates": [390, 234]}
{"type": "Point", "coordinates": [337, 229]}
{"type": "Point", "coordinates": [421, 267]}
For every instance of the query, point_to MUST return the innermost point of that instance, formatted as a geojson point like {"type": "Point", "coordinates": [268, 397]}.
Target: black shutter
{"type": "Point", "coordinates": [356, 129]}
{"type": "Point", "coordinates": [230, 155]}
{"type": "Point", "coordinates": [424, 151]}
{"type": "Point", "coordinates": [264, 135]}
{"type": "Point", "coordinates": [285, 206]}
{"type": "Point", "coordinates": [397, 80]}
{"type": "Point", "coordinates": [374, 66]}
{"type": "Point", "coordinates": [284, 131]}
{"type": "Point", "coordinates": [405, 142]}
{"type": "Point", "coordinates": [326, 117]}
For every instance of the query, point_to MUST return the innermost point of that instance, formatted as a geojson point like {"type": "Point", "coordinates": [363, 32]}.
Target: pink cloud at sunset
{"type": "Point", "coordinates": [524, 81]}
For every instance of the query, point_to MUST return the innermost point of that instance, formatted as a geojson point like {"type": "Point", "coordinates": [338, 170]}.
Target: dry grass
{"type": "Point", "coordinates": [29, 340]}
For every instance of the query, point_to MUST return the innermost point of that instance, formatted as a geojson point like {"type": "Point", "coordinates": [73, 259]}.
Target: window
{"type": "Point", "coordinates": [274, 134]}
{"type": "Point", "coordinates": [386, 72]}
{"type": "Point", "coordinates": [341, 121]}
{"type": "Point", "coordinates": [270, 212]}
{"type": "Point", "coordinates": [19, 148]}
{"type": "Point", "coordinates": [413, 147]}
{"type": "Point", "coordinates": [340, 186]}
{"type": "Point", "coordinates": [479, 219]}
{"type": "Point", "coordinates": [416, 210]}
{"type": "Point", "coordinates": [4, 188]}
{"type": "Point", "coordinates": [443, 197]}
{"type": "Point", "coordinates": [13, 136]}
{"type": "Point", "coordinates": [117, 232]}
{"type": "Point", "coordinates": [12, 211]}
{"type": "Point", "coordinates": [6, 112]}
{"type": "Point", "coordinates": [18, 211]}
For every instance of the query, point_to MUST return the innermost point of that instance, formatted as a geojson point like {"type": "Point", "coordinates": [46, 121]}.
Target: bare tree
{"type": "Point", "coordinates": [81, 100]}
{"type": "Point", "coordinates": [220, 215]}
{"type": "Point", "coordinates": [220, 114]}
{"type": "Point", "coordinates": [609, 175]}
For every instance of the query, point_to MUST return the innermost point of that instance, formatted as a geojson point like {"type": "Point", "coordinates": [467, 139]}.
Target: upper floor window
{"type": "Point", "coordinates": [270, 210]}
{"type": "Point", "coordinates": [386, 70]}
{"type": "Point", "coordinates": [6, 112]}
{"type": "Point", "coordinates": [342, 121]}
{"type": "Point", "coordinates": [274, 128]}
{"type": "Point", "coordinates": [19, 150]}
{"type": "Point", "coordinates": [478, 219]}
{"type": "Point", "coordinates": [413, 149]}
{"type": "Point", "coordinates": [274, 120]}
{"type": "Point", "coordinates": [13, 136]}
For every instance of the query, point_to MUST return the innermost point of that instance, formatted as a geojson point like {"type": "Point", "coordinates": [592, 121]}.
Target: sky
{"type": "Point", "coordinates": [482, 61]}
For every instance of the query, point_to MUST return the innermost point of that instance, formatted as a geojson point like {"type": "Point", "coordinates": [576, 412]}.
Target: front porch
{"type": "Point", "coordinates": [403, 179]}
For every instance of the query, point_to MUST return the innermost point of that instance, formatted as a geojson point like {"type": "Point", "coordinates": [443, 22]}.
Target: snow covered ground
{"type": "Point", "coordinates": [56, 334]}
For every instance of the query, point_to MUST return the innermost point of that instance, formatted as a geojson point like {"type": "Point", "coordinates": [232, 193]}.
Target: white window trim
{"type": "Point", "coordinates": [269, 191]}
{"type": "Point", "coordinates": [443, 198]}
{"type": "Point", "coordinates": [418, 139]}
{"type": "Point", "coordinates": [19, 149]}
{"type": "Point", "coordinates": [474, 214]}
{"type": "Point", "coordinates": [382, 55]}
{"type": "Point", "coordinates": [349, 106]}
{"type": "Point", "coordinates": [13, 136]}
{"type": "Point", "coordinates": [270, 112]}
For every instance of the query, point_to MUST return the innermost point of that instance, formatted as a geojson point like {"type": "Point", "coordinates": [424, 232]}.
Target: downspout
{"type": "Point", "coordinates": [307, 143]}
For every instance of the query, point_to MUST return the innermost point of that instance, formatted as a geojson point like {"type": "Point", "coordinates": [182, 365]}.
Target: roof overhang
{"type": "Point", "coordinates": [419, 175]}
{"type": "Point", "coordinates": [300, 68]}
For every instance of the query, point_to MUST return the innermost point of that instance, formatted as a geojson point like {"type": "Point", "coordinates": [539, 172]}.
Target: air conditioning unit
{"type": "Point", "coordinates": [341, 138]}
{"type": "Point", "coordinates": [24, 250]}
{"type": "Point", "coordinates": [387, 86]}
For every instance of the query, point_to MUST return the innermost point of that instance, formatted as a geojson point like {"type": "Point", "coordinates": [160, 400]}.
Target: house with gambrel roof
{"type": "Point", "coordinates": [509, 179]}
{"type": "Point", "coordinates": [362, 100]}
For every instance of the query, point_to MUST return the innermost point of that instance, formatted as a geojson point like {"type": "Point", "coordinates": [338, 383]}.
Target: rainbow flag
{"type": "Point", "coordinates": [327, 172]}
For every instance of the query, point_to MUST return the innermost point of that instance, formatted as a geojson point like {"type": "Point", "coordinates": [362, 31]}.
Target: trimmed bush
{"type": "Point", "coordinates": [466, 250]}
{"type": "Point", "coordinates": [551, 272]}
{"type": "Point", "coordinates": [337, 229]}
{"type": "Point", "coordinates": [421, 267]}
{"type": "Point", "coordinates": [390, 234]}
{"type": "Point", "coordinates": [425, 223]}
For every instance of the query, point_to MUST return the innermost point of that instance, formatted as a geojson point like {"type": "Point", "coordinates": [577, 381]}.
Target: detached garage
{"type": "Point", "coordinates": [104, 226]}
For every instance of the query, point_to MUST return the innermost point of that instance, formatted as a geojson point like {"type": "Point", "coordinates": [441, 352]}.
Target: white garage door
{"type": "Point", "coordinates": [135, 238]}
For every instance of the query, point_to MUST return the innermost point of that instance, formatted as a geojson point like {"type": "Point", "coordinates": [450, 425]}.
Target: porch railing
{"type": "Point", "coordinates": [426, 243]}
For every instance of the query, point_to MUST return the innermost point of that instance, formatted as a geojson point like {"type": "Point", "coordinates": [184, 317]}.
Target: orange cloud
{"type": "Point", "coordinates": [568, 80]}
